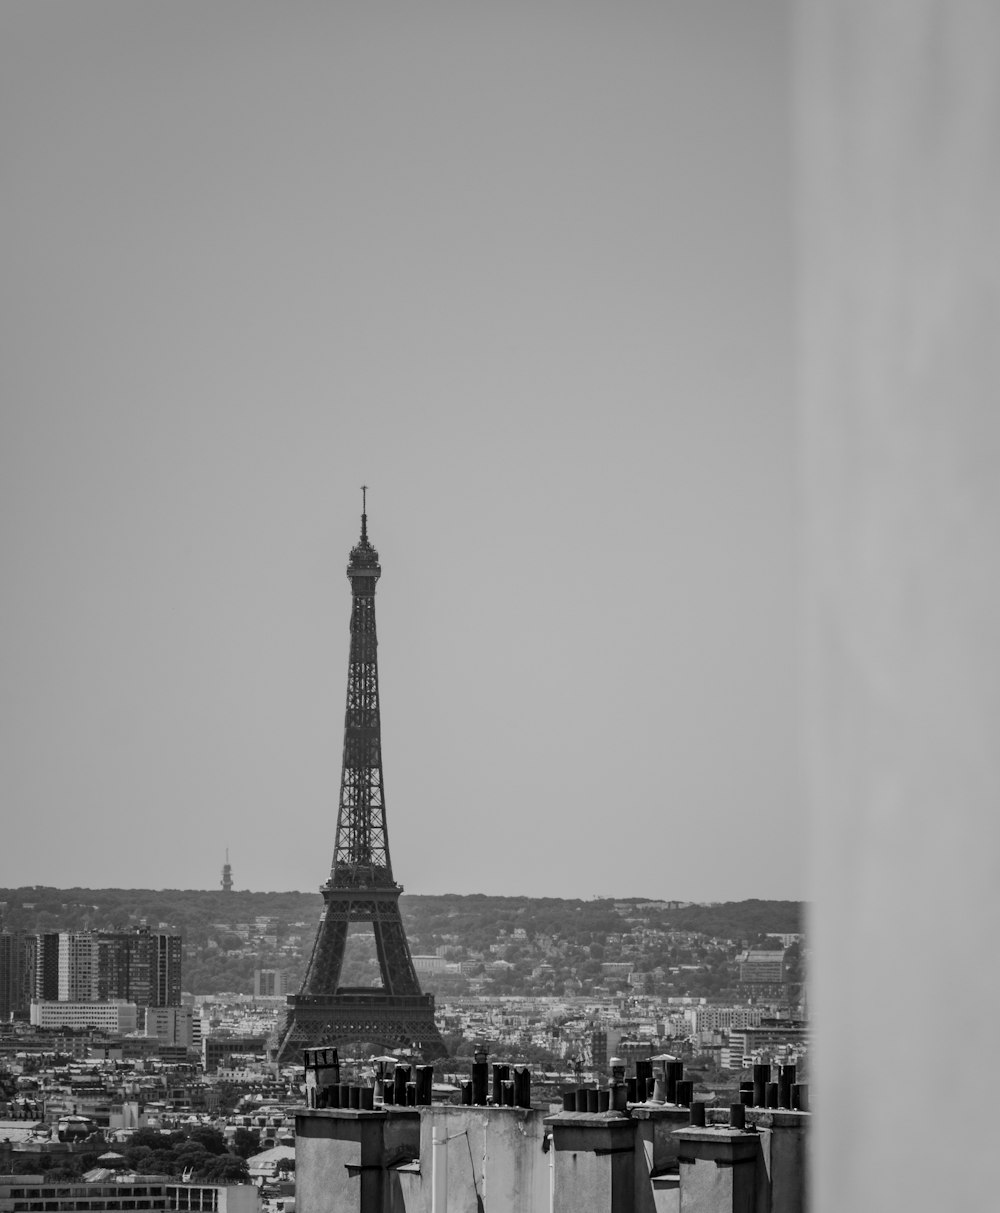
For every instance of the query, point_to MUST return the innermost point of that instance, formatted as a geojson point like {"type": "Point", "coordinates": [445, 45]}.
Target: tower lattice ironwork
{"type": "Point", "coordinates": [361, 887]}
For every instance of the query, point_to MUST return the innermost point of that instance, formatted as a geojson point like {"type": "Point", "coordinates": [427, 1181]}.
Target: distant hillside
{"type": "Point", "coordinates": [189, 910]}
{"type": "Point", "coordinates": [48, 909]}
{"type": "Point", "coordinates": [546, 944]}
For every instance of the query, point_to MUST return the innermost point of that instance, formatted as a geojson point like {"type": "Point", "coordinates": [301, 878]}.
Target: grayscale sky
{"type": "Point", "coordinates": [523, 268]}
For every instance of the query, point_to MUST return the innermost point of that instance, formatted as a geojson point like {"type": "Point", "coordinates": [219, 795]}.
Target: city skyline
{"type": "Point", "coordinates": [527, 276]}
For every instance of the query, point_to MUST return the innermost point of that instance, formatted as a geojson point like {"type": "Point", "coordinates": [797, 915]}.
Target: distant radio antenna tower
{"type": "Point", "coordinates": [227, 875]}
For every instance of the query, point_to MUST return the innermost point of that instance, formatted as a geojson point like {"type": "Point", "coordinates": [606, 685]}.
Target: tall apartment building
{"type": "Point", "coordinates": [16, 970]}
{"type": "Point", "coordinates": [124, 966]}
{"type": "Point", "coordinates": [142, 965]}
{"type": "Point", "coordinates": [46, 985]}
{"type": "Point", "coordinates": [139, 966]}
{"type": "Point", "coordinates": [166, 971]}
{"type": "Point", "coordinates": [78, 966]}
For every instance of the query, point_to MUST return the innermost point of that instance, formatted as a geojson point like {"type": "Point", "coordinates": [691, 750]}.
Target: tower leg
{"type": "Point", "coordinates": [327, 960]}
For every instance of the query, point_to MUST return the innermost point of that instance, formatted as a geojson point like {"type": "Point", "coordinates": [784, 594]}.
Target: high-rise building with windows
{"type": "Point", "coordinates": [16, 957]}
{"type": "Point", "coordinates": [124, 966]}
{"type": "Point", "coordinates": [78, 966]}
{"type": "Point", "coordinates": [165, 975]}
{"type": "Point", "coordinates": [142, 966]}
{"type": "Point", "coordinates": [46, 984]}
{"type": "Point", "coordinates": [139, 966]}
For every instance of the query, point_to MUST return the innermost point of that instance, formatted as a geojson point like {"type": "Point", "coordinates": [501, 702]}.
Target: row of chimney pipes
{"type": "Point", "coordinates": [662, 1081]}
{"type": "Point", "coordinates": [656, 1081]}
{"type": "Point", "coordinates": [511, 1088]}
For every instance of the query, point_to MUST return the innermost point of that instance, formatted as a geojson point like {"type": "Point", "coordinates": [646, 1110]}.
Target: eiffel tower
{"type": "Point", "coordinates": [361, 886]}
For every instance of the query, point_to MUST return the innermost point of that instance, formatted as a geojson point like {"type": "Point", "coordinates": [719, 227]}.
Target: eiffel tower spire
{"type": "Point", "coordinates": [361, 887]}
{"type": "Point", "coordinates": [361, 850]}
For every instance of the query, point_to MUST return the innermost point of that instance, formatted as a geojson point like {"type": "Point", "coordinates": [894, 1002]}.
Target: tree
{"type": "Point", "coordinates": [163, 1162]}
{"type": "Point", "coordinates": [137, 1157]}
{"type": "Point", "coordinates": [192, 1154]}
{"type": "Point", "coordinates": [225, 1169]}
{"type": "Point", "coordinates": [25, 1166]}
{"type": "Point", "coordinates": [152, 1138]}
{"type": "Point", "coordinates": [210, 1138]}
{"type": "Point", "coordinates": [246, 1142]}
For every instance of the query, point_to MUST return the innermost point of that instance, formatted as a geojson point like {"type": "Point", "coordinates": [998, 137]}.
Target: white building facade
{"type": "Point", "coordinates": [116, 1016]}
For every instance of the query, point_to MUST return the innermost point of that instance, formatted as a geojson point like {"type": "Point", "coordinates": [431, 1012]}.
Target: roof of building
{"type": "Point", "coordinates": [266, 1163]}
{"type": "Point", "coordinates": [20, 1130]}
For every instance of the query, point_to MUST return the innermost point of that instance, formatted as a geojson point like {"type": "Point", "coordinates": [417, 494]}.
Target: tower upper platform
{"type": "Point", "coordinates": [363, 567]}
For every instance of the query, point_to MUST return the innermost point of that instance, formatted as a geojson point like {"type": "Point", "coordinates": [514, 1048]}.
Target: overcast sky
{"type": "Point", "coordinates": [523, 268]}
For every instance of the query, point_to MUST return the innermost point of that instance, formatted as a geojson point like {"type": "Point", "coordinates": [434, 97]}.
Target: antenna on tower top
{"type": "Point", "coordinates": [364, 513]}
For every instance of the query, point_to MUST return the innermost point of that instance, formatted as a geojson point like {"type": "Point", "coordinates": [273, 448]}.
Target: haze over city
{"type": "Point", "coordinates": [528, 276]}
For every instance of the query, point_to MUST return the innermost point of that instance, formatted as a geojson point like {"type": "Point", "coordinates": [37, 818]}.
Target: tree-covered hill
{"type": "Point", "coordinates": [190, 911]}
{"type": "Point", "coordinates": [512, 944]}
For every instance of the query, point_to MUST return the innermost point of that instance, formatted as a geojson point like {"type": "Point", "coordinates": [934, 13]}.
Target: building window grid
{"type": "Point", "coordinates": [180, 1199]}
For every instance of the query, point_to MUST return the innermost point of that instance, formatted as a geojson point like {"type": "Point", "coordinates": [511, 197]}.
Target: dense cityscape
{"type": "Point", "coordinates": [624, 954]}
{"type": "Point", "coordinates": [113, 1025]}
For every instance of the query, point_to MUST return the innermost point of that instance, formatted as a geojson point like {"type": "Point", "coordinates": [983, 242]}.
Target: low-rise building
{"type": "Point", "coordinates": [430, 964]}
{"type": "Point", "coordinates": [219, 1049]}
{"type": "Point", "coordinates": [772, 1039]}
{"type": "Point", "coordinates": [269, 983]}
{"type": "Point", "coordinates": [174, 1026]}
{"type": "Point", "coordinates": [34, 1194]}
{"type": "Point", "coordinates": [762, 967]}
{"type": "Point", "coordinates": [114, 1015]}
{"type": "Point", "coordinates": [716, 1019]}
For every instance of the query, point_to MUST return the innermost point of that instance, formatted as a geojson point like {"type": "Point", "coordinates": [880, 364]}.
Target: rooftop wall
{"type": "Point", "coordinates": [454, 1158]}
